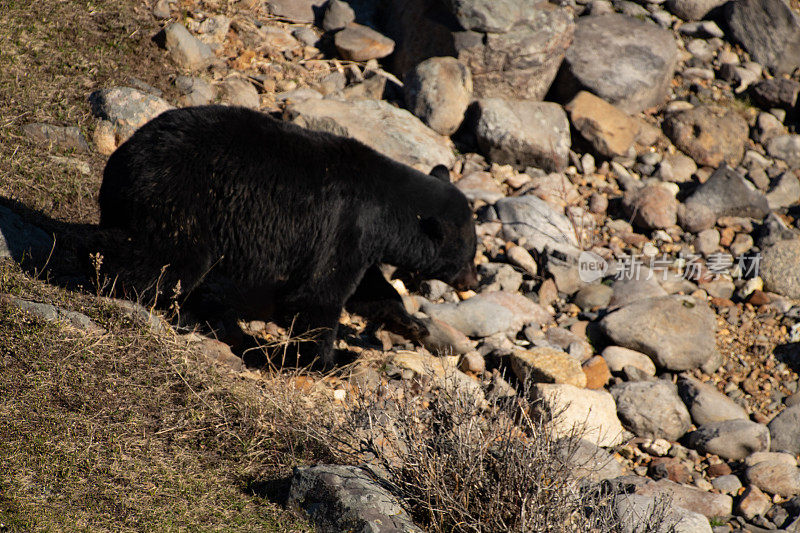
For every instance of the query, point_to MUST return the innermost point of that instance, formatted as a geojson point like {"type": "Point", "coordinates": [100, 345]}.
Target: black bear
{"type": "Point", "coordinates": [294, 222]}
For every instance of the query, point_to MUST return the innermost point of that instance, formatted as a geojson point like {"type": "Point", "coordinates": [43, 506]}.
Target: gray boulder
{"type": "Point", "coordinates": [187, 51]}
{"type": "Point", "coordinates": [706, 404]}
{"type": "Point", "coordinates": [535, 221]}
{"type": "Point", "coordinates": [785, 147]}
{"type": "Point", "coordinates": [692, 9]}
{"type": "Point", "coordinates": [726, 193]}
{"type": "Point", "coordinates": [785, 430]}
{"type": "Point", "coordinates": [518, 63]}
{"type": "Point", "coordinates": [633, 511]}
{"type": "Point", "coordinates": [524, 133]}
{"type": "Point", "coordinates": [393, 132]}
{"type": "Point", "coordinates": [677, 332]}
{"type": "Point", "coordinates": [730, 439]}
{"type": "Point", "coordinates": [346, 498]}
{"type": "Point", "coordinates": [623, 60]}
{"type": "Point", "coordinates": [779, 270]}
{"type": "Point", "coordinates": [778, 48]}
{"type": "Point", "coordinates": [438, 91]}
{"type": "Point", "coordinates": [651, 409]}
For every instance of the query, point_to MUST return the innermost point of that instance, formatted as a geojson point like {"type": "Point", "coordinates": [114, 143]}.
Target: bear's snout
{"type": "Point", "coordinates": [466, 279]}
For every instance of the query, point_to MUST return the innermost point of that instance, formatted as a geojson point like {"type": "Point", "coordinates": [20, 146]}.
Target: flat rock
{"type": "Point", "coordinates": [618, 358]}
{"type": "Point", "coordinates": [490, 16]}
{"type": "Point", "coordinates": [445, 339]}
{"type": "Point", "coordinates": [67, 137]}
{"type": "Point", "coordinates": [634, 510]}
{"type": "Point", "coordinates": [776, 92]}
{"type": "Point", "coordinates": [126, 109]}
{"type": "Point", "coordinates": [693, 499]}
{"type": "Point", "coordinates": [779, 270]}
{"type": "Point", "coordinates": [186, 50]}
{"type": "Point", "coordinates": [778, 48]}
{"type": "Point", "coordinates": [775, 474]}
{"type": "Point", "coordinates": [591, 462]}
{"type": "Point", "coordinates": [523, 133]}
{"type": "Point", "coordinates": [785, 430]}
{"type": "Point", "coordinates": [361, 43]}
{"type": "Point", "coordinates": [692, 9]}
{"type": "Point", "coordinates": [631, 288]}
{"type": "Point", "coordinates": [594, 296]}
{"type": "Point", "coordinates": [303, 11]}
{"type": "Point", "coordinates": [706, 404]}
{"type": "Point", "coordinates": [393, 132]}
{"type": "Point", "coordinates": [534, 220]}
{"type": "Point", "coordinates": [480, 185]}
{"type": "Point", "coordinates": [730, 439]}
{"type": "Point", "coordinates": [652, 207]}
{"type": "Point", "coordinates": [711, 136]}
{"type": "Point", "coordinates": [489, 313]}
{"type": "Point", "coordinates": [785, 192]}
{"type": "Point", "coordinates": [677, 332]}
{"type": "Point", "coordinates": [438, 91]}
{"type": "Point", "coordinates": [623, 60]}
{"type": "Point", "coordinates": [591, 413]}
{"type": "Point", "coordinates": [611, 131]}
{"type": "Point", "coordinates": [21, 241]}
{"type": "Point", "coordinates": [346, 498]}
{"type": "Point", "coordinates": [726, 193]}
{"type": "Point", "coordinates": [52, 313]}
{"type": "Point", "coordinates": [516, 64]}
{"type": "Point", "coordinates": [239, 92]}
{"type": "Point", "coordinates": [786, 148]}
{"type": "Point", "coordinates": [651, 409]}
{"type": "Point", "coordinates": [547, 365]}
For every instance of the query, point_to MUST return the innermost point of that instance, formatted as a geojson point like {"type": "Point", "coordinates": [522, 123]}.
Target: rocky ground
{"type": "Point", "coordinates": [633, 167]}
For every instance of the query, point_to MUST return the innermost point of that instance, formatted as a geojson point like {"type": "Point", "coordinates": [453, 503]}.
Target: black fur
{"type": "Point", "coordinates": [288, 219]}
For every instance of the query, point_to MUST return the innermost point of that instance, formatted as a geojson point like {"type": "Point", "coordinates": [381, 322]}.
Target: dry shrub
{"type": "Point", "coordinates": [462, 465]}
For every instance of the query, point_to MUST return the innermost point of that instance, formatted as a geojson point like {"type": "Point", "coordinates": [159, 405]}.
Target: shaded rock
{"type": "Point", "coordinates": [523, 133]}
{"type": "Point", "coordinates": [303, 11]}
{"type": "Point", "coordinates": [633, 510]}
{"type": "Point", "coordinates": [194, 91]}
{"type": "Point", "coordinates": [590, 412]}
{"type": "Point", "coordinates": [490, 16]}
{"type": "Point", "coordinates": [785, 148]}
{"type": "Point", "coordinates": [730, 439]}
{"type": "Point", "coordinates": [711, 136]}
{"type": "Point", "coordinates": [612, 132]}
{"type": "Point", "coordinates": [361, 43]}
{"type": "Point", "coordinates": [623, 60]}
{"type": "Point", "coordinates": [393, 132]}
{"type": "Point", "coordinates": [753, 503]}
{"type": "Point", "coordinates": [706, 404]}
{"type": "Point", "coordinates": [445, 339]}
{"type": "Point", "coordinates": [676, 168]}
{"type": "Point", "coordinates": [776, 92]}
{"type": "Point", "coordinates": [438, 91]}
{"type": "Point", "coordinates": [651, 409]}
{"type": "Point", "coordinates": [591, 462]}
{"type": "Point", "coordinates": [126, 109]}
{"type": "Point", "coordinates": [338, 14]}
{"type": "Point", "coordinates": [21, 241]}
{"type": "Point", "coordinates": [785, 192]}
{"type": "Point", "coordinates": [778, 48]}
{"type": "Point", "coordinates": [593, 296]}
{"type": "Point", "coordinates": [520, 63]}
{"type": "Point", "coordinates": [547, 365]}
{"type": "Point", "coordinates": [67, 137]}
{"type": "Point", "coordinates": [693, 499]}
{"type": "Point", "coordinates": [652, 206]}
{"type": "Point", "coordinates": [692, 9]}
{"type": "Point", "coordinates": [346, 498]}
{"type": "Point", "coordinates": [774, 473]}
{"type": "Point", "coordinates": [726, 193]}
{"type": "Point", "coordinates": [239, 92]}
{"type": "Point", "coordinates": [618, 358]}
{"type": "Point", "coordinates": [785, 430]}
{"type": "Point", "coordinates": [677, 332]}
{"type": "Point", "coordinates": [779, 270]}
{"type": "Point", "coordinates": [186, 50]}
{"type": "Point", "coordinates": [535, 221]}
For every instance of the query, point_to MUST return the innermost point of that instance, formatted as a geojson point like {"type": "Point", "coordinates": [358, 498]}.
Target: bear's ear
{"type": "Point", "coordinates": [433, 229]}
{"type": "Point", "coordinates": [440, 172]}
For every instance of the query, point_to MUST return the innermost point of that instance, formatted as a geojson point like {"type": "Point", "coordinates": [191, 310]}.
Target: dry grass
{"type": "Point", "coordinates": [135, 432]}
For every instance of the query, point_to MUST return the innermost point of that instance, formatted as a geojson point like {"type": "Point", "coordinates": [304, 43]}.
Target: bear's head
{"type": "Point", "coordinates": [452, 231]}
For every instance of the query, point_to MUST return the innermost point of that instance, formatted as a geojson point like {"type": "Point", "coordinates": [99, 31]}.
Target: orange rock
{"type": "Point", "coordinates": [597, 372]}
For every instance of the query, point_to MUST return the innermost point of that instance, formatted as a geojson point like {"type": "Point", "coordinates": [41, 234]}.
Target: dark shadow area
{"type": "Point", "coordinates": [789, 354]}
{"type": "Point", "coordinates": [273, 490]}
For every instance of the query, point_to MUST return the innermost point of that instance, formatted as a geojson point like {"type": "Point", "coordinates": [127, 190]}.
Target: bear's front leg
{"type": "Point", "coordinates": [375, 299]}
{"type": "Point", "coordinates": [313, 331]}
